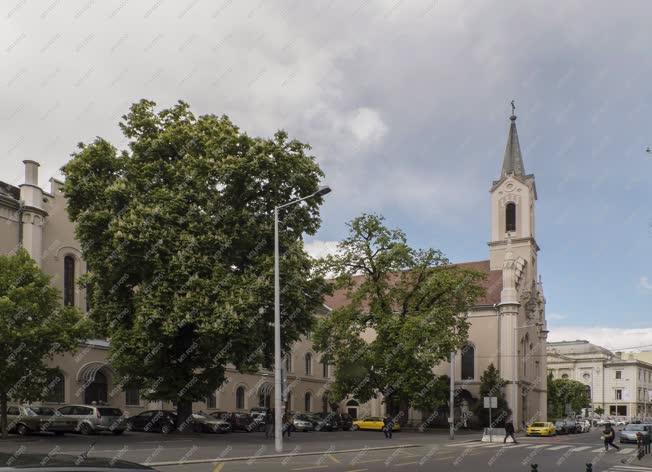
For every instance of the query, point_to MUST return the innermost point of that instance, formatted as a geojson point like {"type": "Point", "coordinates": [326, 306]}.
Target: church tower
{"type": "Point", "coordinates": [513, 197]}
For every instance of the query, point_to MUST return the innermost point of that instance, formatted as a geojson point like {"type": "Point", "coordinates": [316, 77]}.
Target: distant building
{"type": "Point", "coordinates": [617, 382]}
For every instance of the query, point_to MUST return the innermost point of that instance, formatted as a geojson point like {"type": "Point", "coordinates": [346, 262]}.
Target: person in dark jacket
{"type": "Point", "coordinates": [388, 425]}
{"type": "Point", "coordinates": [509, 429]}
{"type": "Point", "coordinates": [269, 424]}
{"type": "Point", "coordinates": [609, 435]}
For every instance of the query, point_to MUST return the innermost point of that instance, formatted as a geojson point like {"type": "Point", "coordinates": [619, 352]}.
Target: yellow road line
{"type": "Point", "coordinates": [371, 460]}
{"type": "Point", "coordinates": [218, 467]}
{"type": "Point", "coordinates": [333, 458]}
{"type": "Point", "coordinates": [310, 467]}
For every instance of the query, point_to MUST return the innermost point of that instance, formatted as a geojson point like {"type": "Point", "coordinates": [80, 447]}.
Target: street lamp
{"type": "Point", "coordinates": [278, 417]}
{"type": "Point", "coordinates": [515, 370]}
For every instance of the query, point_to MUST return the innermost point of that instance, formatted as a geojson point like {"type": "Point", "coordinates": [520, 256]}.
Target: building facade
{"type": "Point", "coordinates": [617, 382]}
{"type": "Point", "coordinates": [37, 219]}
{"type": "Point", "coordinates": [508, 326]}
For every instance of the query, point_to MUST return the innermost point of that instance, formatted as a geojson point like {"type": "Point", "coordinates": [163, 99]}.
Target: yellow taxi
{"type": "Point", "coordinates": [541, 429]}
{"type": "Point", "coordinates": [373, 423]}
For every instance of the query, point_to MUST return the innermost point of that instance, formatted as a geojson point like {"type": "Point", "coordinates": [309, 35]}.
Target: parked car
{"type": "Point", "coordinates": [160, 421]}
{"type": "Point", "coordinates": [630, 432]}
{"type": "Point", "coordinates": [561, 427]}
{"type": "Point", "coordinates": [303, 422]}
{"type": "Point", "coordinates": [207, 424]}
{"type": "Point", "coordinates": [92, 419]}
{"type": "Point", "coordinates": [541, 429]}
{"type": "Point", "coordinates": [328, 421]}
{"type": "Point", "coordinates": [240, 421]}
{"type": "Point", "coordinates": [347, 421]}
{"type": "Point", "coordinates": [24, 420]}
{"type": "Point", "coordinates": [374, 423]}
{"type": "Point", "coordinates": [573, 427]}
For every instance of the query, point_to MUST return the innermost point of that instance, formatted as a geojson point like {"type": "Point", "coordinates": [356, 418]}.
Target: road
{"type": "Point", "coordinates": [358, 451]}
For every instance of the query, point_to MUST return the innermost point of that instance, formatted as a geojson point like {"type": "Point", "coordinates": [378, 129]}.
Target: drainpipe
{"type": "Point", "coordinates": [21, 209]}
{"type": "Point", "coordinates": [499, 356]}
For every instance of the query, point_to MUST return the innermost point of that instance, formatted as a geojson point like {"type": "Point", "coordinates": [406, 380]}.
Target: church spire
{"type": "Point", "coordinates": [513, 160]}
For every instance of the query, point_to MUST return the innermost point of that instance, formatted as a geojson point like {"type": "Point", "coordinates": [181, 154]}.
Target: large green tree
{"type": "Point", "coordinates": [34, 326]}
{"type": "Point", "coordinates": [405, 314]}
{"type": "Point", "coordinates": [178, 231]}
{"type": "Point", "coordinates": [564, 394]}
{"type": "Point", "coordinates": [492, 385]}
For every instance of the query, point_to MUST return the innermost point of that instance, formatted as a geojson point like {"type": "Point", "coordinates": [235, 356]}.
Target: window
{"type": "Point", "coordinates": [288, 362]}
{"type": "Point", "coordinates": [307, 400]}
{"type": "Point", "coordinates": [621, 410]}
{"type": "Point", "coordinates": [288, 403]}
{"type": "Point", "coordinates": [564, 376]}
{"type": "Point", "coordinates": [13, 410]}
{"type": "Point", "coordinates": [308, 364]}
{"type": "Point", "coordinates": [510, 217]}
{"type": "Point", "coordinates": [211, 401]}
{"type": "Point", "coordinates": [324, 369]}
{"type": "Point", "coordinates": [619, 394]}
{"type": "Point", "coordinates": [619, 374]}
{"type": "Point", "coordinates": [132, 396]}
{"type": "Point", "coordinates": [56, 389]}
{"type": "Point", "coordinates": [240, 398]}
{"type": "Point", "coordinates": [69, 281]}
{"type": "Point", "coordinates": [66, 410]}
{"type": "Point", "coordinates": [468, 362]}
{"type": "Point", "coordinates": [324, 404]}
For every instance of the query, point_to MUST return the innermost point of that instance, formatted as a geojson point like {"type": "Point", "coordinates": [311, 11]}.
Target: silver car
{"type": "Point", "coordinates": [95, 418]}
{"type": "Point", "coordinates": [24, 419]}
{"type": "Point", "coordinates": [630, 432]}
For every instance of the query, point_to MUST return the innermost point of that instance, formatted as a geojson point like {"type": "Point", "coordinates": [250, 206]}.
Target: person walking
{"type": "Point", "coordinates": [509, 429]}
{"type": "Point", "coordinates": [287, 424]}
{"type": "Point", "coordinates": [609, 435]}
{"type": "Point", "coordinates": [388, 425]}
{"type": "Point", "coordinates": [269, 424]}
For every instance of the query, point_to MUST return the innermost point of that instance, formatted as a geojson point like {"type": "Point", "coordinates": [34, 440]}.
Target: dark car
{"type": "Point", "coordinates": [328, 421]}
{"type": "Point", "coordinates": [160, 421]}
{"type": "Point", "coordinates": [65, 463]}
{"type": "Point", "coordinates": [561, 427]}
{"type": "Point", "coordinates": [347, 422]}
{"type": "Point", "coordinates": [240, 421]}
{"type": "Point", "coordinates": [204, 423]}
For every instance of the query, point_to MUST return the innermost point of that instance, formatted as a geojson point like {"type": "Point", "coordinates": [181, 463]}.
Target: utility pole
{"type": "Point", "coordinates": [451, 400]}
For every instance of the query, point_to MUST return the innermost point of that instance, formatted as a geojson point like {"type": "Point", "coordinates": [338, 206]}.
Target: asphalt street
{"type": "Point", "coordinates": [359, 451]}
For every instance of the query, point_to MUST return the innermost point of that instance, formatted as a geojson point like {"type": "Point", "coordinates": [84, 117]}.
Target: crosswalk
{"type": "Point", "coordinates": [562, 448]}
{"type": "Point", "coordinates": [629, 468]}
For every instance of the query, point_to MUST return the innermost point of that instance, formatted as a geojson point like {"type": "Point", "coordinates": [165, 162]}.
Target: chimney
{"type": "Point", "coordinates": [31, 172]}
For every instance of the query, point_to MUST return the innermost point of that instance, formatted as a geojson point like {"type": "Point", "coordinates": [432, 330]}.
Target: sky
{"type": "Point", "coordinates": [406, 105]}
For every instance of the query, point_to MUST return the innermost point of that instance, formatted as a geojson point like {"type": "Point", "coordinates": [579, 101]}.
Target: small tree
{"type": "Point", "coordinates": [34, 326]}
{"type": "Point", "coordinates": [491, 385]}
{"type": "Point", "coordinates": [567, 393]}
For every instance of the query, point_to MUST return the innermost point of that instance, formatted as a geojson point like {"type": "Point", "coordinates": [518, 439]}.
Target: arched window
{"type": "Point", "coordinates": [510, 217]}
{"type": "Point", "coordinates": [564, 376]}
{"type": "Point", "coordinates": [69, 281]}
{"type": "Point", "coordinates": [240, 398]}
{"type": "Point", "coordinates": [324, 369]}
{"type": "Point", "coordinates": [56, 391]}
{"type": "Point", "coordinates": [308, 364]}
{"type": "Point", "coordinates": [211, 401]}
{"type": "Point", "coordinates": [307, 400]}
{"type": "Point", "coordinates": [468, 362]}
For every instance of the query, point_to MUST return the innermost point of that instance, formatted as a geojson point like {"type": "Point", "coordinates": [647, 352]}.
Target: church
{"type": "Point", "coordinates": [507, 327]}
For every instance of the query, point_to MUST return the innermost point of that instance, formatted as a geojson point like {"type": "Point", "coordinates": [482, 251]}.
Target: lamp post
{"type": "Point", "coordinates": [278, 417]}
{"type": "Point", "coordinates": [515, 371]}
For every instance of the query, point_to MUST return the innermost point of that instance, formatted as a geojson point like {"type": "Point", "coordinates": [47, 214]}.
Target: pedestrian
{"type": "Point", "coordinates": [509, 429]}
{"type": "Point", "coordinates": [287, 424]}
{"type": "Point", "coordinates": [388, 425]}
{"type": "Point", "coordinates": [269, 424]}
{"type": "Point", "coordinates": [609, 435]}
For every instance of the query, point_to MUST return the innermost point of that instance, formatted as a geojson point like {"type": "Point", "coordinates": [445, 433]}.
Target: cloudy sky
{"type": "Point", "coordinates": [406, 104]}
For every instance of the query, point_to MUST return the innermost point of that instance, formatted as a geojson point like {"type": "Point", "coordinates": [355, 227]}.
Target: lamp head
{"type": "Point", "coordinates": [323, 190]}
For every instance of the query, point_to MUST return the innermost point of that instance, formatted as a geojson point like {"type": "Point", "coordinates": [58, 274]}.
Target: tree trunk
{"type": "Point", "coordinates": [184, 416]}
{"type": "Point", "coordinates": [3, 414]}
{"type": "Point", "coordinates": [403, 408]}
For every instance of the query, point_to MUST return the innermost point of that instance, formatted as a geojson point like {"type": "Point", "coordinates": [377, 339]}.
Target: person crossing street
{"type": "Point", "coordinates": [609, 434]}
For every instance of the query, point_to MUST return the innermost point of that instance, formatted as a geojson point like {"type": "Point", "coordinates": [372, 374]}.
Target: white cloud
{"type": "Point", "coordinates": [367, 125]}
{"type": "Point", "coordinates": [555, 316]}
{"type": "Point", "coordinates": [610, 338]}
{"type": "Point", "coordinates": [318, 248]}
{"type": "Point", "coordinates": [644, 283]}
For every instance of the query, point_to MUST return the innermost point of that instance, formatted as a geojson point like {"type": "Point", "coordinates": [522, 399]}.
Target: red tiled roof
{"type": "Point", "coordinates": [493, 285]}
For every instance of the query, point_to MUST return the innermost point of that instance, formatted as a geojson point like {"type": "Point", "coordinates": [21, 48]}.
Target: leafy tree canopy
{"type": "Point", "coordinates": [563, 393]}
{"type": "Point", "coordinates": [492, 385]}
{"type": "Point", "coordinates": [34, 326]}
{"type": "Point", "coordinates": [405, 314]}
{"type": "Point", "coordinates": [178, 231]}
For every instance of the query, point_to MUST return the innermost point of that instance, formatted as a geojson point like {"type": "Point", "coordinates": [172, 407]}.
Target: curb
{"type": "Point", "coordinates": [274, 456]}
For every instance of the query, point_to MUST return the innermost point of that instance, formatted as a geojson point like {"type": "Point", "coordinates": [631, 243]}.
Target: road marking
{"type": "Point", "coordinates": [578, 449]}
{"type": "Point", "coordinates": [356, 470]}
{"type": "Point", "coordinates": [371, 460]}
{"type": "Point", "coordinates": [600, 449]}
{"type": "Point", "coordinates": [406, 463]}
{"type": "Point", "coordinates": [626, 450]}
{"type": "Point", "coordinates": [311, 467]}
{"type": "Point", "coordinates": [537, 446]}
{"type": "Point", "coordinates": [333, 458]}
{"type": "Point", "coordinates": [218, 467]}
{"type": "Point", "coordinates": [556, 448]}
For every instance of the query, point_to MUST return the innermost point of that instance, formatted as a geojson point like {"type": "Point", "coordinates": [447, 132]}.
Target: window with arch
{"type": "Point", "coordinates": [307, 400]}
{"type": "Point", "coordinates": [468, 362]}
{"type": "Point", "coordinates": [56, 388]}
{"type": "Point", "coordinates": [510, 217]}
{"type": "Point", "coordinates": [69, 280]}
{"type": "Point", "coordinates": [211, 400]}
{"type": "Point", "coordinates": [308, 359]}
{"type": "Point", "coordinates": [324, 369]}
{"type": "Point", "coordinates": [564, 376]}
{"type": "Point", "coordinates": [240, 398]}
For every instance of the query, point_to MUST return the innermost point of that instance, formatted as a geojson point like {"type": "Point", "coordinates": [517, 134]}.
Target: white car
{"type": "Point", "coordinates": [586, 426]}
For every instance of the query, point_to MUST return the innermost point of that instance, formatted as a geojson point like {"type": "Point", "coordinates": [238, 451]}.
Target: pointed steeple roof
{"type": "Point", "coordinates": [513, 160]}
